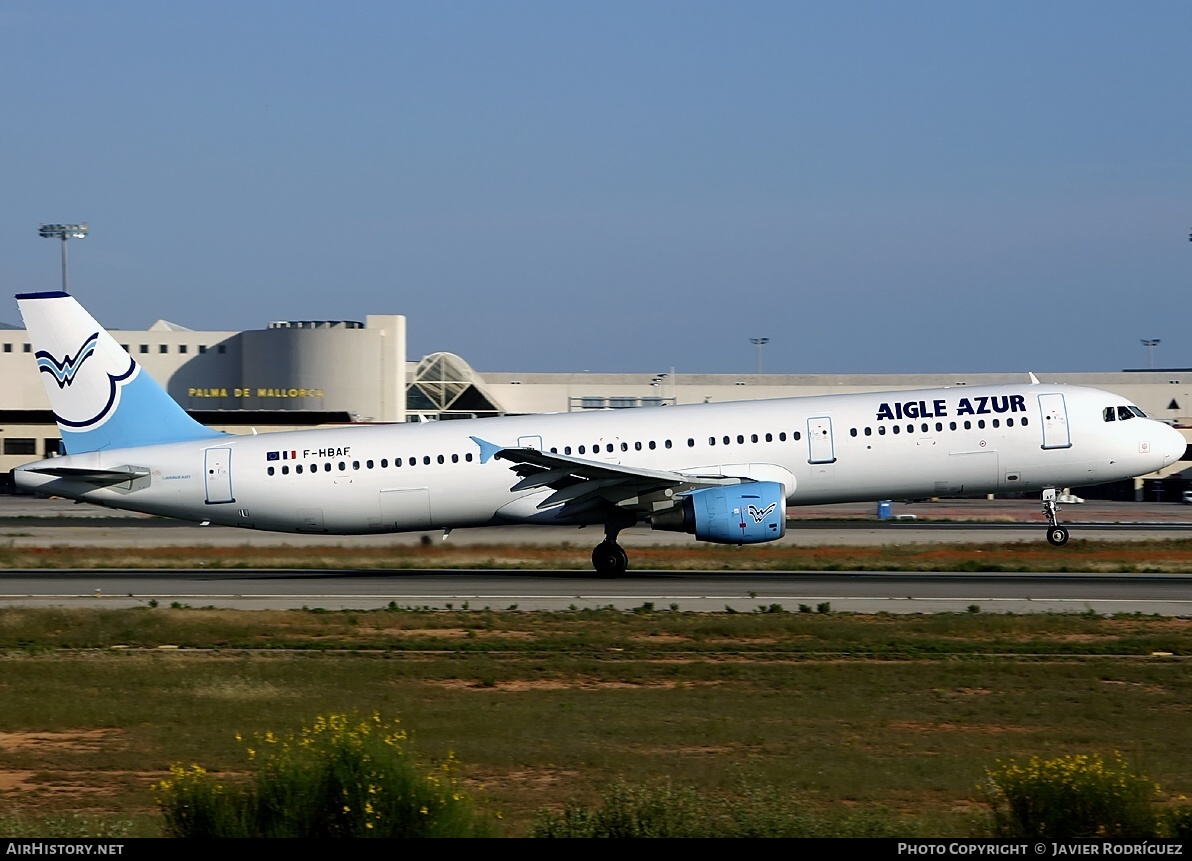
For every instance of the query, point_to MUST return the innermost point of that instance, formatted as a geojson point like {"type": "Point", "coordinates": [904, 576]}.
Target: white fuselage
{"type": "Point", "coordinates": [835, 448]}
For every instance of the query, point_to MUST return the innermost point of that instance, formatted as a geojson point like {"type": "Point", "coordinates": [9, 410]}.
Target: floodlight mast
{"type": "Point", "coordinates": [1150, 344]}
{"type": "Point", "coordinates": [759, 343]}
{"type": "Point", "coordinates": [63, 232]}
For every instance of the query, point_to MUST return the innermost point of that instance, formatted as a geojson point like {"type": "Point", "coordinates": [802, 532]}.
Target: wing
{"type": "Point", "coordinates": [580, 485]}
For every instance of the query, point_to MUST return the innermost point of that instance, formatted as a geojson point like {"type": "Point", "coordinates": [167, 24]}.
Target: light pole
{"type": "Point", "coordinates": [1150, 344]}
{"type": "Point", "coordinates": [63, 232]}
{"type": "Point", "coordinates": [759, 343]}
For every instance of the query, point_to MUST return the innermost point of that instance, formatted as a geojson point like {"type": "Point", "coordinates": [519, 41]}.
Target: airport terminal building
{"type": "Point", "coordinates": [310, 373]}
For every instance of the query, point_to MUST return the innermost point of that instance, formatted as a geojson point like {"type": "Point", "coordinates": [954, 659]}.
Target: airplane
{"type": "Point", "coordinates": [725, 472]}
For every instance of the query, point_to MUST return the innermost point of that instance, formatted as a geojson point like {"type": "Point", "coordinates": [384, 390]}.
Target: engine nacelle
{"type": "Point", "coordinates": [737, 514]}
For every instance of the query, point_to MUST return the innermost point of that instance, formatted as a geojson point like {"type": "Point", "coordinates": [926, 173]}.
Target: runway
{"type": "Point", "coordinates": [1168, 595]}
{"type": "Point", "coordinates": [27, 522]}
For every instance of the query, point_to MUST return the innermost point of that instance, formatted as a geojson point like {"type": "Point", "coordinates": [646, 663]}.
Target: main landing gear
{"type": "Point", "coordinates": [1057, 536]}
{"type": "Point", "coordinates": [609, 558]}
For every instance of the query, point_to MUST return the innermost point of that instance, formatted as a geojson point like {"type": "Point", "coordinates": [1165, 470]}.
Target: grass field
{"type": "Point", "coordinates": [898, 716]}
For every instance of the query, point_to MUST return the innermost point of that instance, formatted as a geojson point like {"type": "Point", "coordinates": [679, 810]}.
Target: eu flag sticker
{"type": "Point", "coordinates": [273, 455]}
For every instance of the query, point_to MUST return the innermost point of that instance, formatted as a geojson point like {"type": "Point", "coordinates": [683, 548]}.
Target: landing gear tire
{"type": "Point", "coordinates": [609, 559]}
{"type": "Point", "coordinates": [1057, 536]}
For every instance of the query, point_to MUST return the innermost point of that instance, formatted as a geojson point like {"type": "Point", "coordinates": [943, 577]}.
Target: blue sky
{"type": "Point", "coordinates": [619, 186]}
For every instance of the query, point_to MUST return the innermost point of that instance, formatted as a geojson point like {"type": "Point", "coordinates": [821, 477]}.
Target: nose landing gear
{"type": "Point", "coordinates": [1057, 536]}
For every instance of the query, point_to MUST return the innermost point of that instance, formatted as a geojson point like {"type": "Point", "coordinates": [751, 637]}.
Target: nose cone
{"type": "Point", "coordinates": [1172, 443]}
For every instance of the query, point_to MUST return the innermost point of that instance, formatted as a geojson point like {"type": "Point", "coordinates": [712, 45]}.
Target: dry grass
{"type": "Point", "coordinates": [1173, 556]}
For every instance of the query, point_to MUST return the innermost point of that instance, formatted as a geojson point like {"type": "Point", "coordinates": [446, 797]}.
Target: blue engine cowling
{"type": "Point", "coordinates": [738, 514]}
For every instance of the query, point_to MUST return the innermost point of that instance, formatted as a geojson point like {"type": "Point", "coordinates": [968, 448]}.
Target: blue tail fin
{"type": "Point", "coordinates": [100, 396]}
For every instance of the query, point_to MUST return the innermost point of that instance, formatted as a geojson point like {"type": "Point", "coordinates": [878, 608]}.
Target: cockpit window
{"type": "Point", "coordinates": [1124, 413]}
{"type": "Point", "coordinates": [1109, 414]}
{"type": "Point", "coordinates": [1137, 412]}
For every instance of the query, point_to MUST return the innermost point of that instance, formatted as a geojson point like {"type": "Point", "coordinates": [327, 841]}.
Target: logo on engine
{"type": "Point", "coordinates": [64, 372]}
{"type": "Point", "coordinates": [760, 514]}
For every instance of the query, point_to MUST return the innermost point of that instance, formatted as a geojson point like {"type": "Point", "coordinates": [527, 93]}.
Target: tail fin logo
{"type": "Point", "coordinates": [64, 372]}
{"type": "Point", "coordinates": [89, 382]}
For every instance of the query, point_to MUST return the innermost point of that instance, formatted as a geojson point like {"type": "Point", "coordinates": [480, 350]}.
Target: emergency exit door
{"type": "Point", "coordinates": [819, 440]}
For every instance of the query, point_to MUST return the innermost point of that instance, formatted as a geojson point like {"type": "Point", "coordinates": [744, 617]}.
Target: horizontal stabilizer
{"type": "Point", "coordinates": [95, 476]}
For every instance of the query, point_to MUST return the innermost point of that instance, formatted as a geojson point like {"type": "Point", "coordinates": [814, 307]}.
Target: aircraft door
{"type": "Point", "coordinates": [1054, 414]}
{"type": "Point", "coordinates": [819, 440]}
{"type": "Point", "coordinates": [217, 469]}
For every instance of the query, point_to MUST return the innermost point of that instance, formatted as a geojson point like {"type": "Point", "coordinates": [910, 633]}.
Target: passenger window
{"type": "Point", "coordinates": [468, 457]}
{"type": "Point", "coordinates": [951, 425]}
{"type": "Point", "coordinates": [968, 425]}
{"type": "Point", "coordinates": [441, 459]}
{"type": "Point", "coordinates": [852, 431]}
{"type": "Point", "coordinates": [637, 446]}
{"type": "Point", "coordinates": [582, 450]}
{"type": "Point", "coordinates": [1009, 423]}
{"type": "Point", "coordinates": [609, 447]}
{"type": "Point", "coordinates": [796, 436]}
{"type": "Point", "coordinates": [996, 423]}
{"type": "Point", "coordinates": [981, 423]}
{"type": "Point", "coordinates": [897, 428]}
{"type": "Point", "coordinates": [298, 469]}
{"type": "Point", "coordinates": [868, 431]}
{"type": "Point", "coordinates": [881, 430]}
{"type": "Point", "coordinates": [625, 446]}
{"type": "Point", "coordinates": [690, 442]}
{"type": "Point", "coordinates": [726, 440]}
{"type": "Point", "coordinates": [939, 426]}
{"type": "Point", "coordinates": [740, 439]}
{"type": "Point", "coordinates": [924, 427]}
{"type": "Point", "coordinates": [782, 436]}
{"type": "Point", "coordinates": [566, 449]}
{"type": "Point", "coordinates": [1024, 422]}
{"type": "Point", "coordinates": [327, 467]}
{"type": "Point", "coordinates": [711, 440]}
{"type": "Point", "coordinates": [384, 463]}
{"type": "Point", "coordinates": [426, 460]}
{"type": "Point", "coordinates": [285, 470]}
{"type": "Point", "coordinates": [769, 437]}
{"type": "Point", "coordinates": [355, 464]}
{"type": "Point", "coordinates": [455, 457]}
{"type": "Point", "coordinates": [270, 471]}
